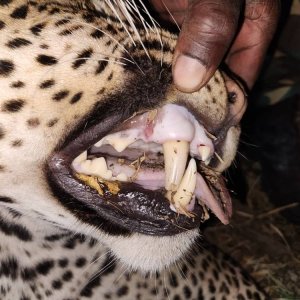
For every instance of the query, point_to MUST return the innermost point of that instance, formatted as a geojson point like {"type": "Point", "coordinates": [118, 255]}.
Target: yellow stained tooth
{"type": "Point", "coordinates": [175, 154]}
{"type": "Point", "coordinates": [187, 186]}
{"type": "Point", "coordinates": [204, 152]}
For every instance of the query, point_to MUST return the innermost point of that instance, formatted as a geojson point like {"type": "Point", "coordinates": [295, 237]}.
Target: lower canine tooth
{"type": "Point", "coordinates": [187, 186]}
{"type": "Point", "coordinates": [175, 154]}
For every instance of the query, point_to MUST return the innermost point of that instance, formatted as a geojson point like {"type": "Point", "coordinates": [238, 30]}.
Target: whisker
{"type": "Point", "coordinates": [169, 12]}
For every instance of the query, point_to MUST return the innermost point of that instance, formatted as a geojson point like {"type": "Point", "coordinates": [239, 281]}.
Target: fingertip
{"type": "Point", "coordinates": [189, 74]}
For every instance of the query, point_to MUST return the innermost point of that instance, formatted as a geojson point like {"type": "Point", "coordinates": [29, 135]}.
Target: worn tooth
{"type": "Point", "coordinates": [187, 186]}
{"type": "Point", "coordinates": [204, 152]}
{"type": "Point", "coordinates": [81, 157]}
{"type": "Point", "coordinates": [175, 154]}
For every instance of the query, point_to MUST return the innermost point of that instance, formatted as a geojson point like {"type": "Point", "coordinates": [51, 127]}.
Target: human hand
{"type": "Point", "coordinates": [211, 30]}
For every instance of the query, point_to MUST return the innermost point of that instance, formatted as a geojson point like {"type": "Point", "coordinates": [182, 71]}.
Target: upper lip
{"type": "Point", "coordinates": [133, 208]}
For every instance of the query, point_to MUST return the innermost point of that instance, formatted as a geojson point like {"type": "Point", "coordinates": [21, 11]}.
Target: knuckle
{"type": "Point", "coordinates": [213, 17]}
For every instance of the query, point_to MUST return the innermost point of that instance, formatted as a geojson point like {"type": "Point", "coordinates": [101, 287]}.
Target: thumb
{"type": "Point", "coordinates": [207, 32]}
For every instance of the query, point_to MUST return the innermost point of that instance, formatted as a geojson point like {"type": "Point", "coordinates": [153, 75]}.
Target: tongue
{"type": "Point", "coordinates": [154, 179]}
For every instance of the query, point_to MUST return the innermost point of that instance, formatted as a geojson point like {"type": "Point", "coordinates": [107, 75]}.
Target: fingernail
{"type": "Point", "coordinates": [188, 73]}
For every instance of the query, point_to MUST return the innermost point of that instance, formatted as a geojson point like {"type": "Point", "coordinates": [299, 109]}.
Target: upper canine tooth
{"type": "Point", "coordinates": [187, 186]}
{"type": "Point", "coordinates": [204, 152]}
{"type": "Point", "coordinates": [175, 154]}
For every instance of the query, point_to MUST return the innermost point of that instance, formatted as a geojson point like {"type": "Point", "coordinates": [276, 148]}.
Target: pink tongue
{"type": "Point", "coordinates": [154, 179]}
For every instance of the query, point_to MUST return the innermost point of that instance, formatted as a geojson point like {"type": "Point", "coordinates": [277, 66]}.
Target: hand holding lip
{"type": "Point", "coordinates": [237, 30]}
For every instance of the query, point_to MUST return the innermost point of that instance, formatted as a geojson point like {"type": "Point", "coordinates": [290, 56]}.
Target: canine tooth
{"type": "Point", "coordinates": [187, 186]}
{"type": "Point", "coordinates": [175, 154]}
{"type": "Point", "coordinates": [204, 152]}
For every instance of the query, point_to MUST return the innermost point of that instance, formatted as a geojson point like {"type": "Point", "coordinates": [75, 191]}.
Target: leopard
{"type": "Point", "coordinates": [86, 90]}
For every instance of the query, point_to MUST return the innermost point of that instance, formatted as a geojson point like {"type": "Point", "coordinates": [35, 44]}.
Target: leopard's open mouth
{"type": "Point", "coordinates": [150, 174]}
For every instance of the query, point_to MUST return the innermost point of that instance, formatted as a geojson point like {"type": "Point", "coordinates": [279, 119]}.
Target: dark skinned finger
{"type": "Point", "coordinates": [207, 32]}
{"type": "Point", "coordinates": [248, 50]}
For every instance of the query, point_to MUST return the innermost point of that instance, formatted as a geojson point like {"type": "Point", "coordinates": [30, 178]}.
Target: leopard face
{"type": "Point", "coordinates": [80, 84]}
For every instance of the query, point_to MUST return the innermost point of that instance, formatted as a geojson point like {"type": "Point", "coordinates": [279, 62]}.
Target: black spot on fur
{"type": "Point", "coordinates": [89, 18]}
{"type": "Point", "coordinates": [57, 284]}
{"type": "Point", "coordinates": [2, 24]}
{"type": "Point", "coordinates": [111, 29]}
{"type": "Point", "coordinates": [20, 12]}
{"type": "Point", "coordinates": [16, 214]}
{"type": "Point", "coordinates": [17, 84]}
{"type": "Point", "coordinates": [67, 276]}
{"type": "Point", "coordinates": [33, 122]}
{"type": "Point", "coordinates": [6, 67]}
{"type": "Point", "coordinates": [2, 169]}
{"type": "Point", "coordinates": [28, 274]}
{"type": "Point", "coordinates": [44, 267]}
{"type": "Point", "coordinates": [109, 78]}
{"type": "Point", "coordinates": [18, 43]}
{"type": "Point", "coordinates": [47, 84]}
{"type": "Point", "coordinates": [82, 58]}
{"type": "Point", "coordinates": [37, 28]}
{"type": "Point", "coordinates": [108, 267]}
{"type": "Point", "coordinates": [61, 22]}
{"type": "Point", "coordinates": [97, 34]}
{"type": "Point", "coordinates": [102, 64]}
{"type": "Point", "coordinates": [44, 46]}
{"type": "Point", "coordinates": [55, 237]}
{"type": "Point", "coordinates": [1, 133]}
{"type": "Point", "coordinates": [70, 30]}
{"type": "Point", "coordinates": [122, 291]}
{"type": "Point", "coordinates": [13, 105]}
{"type": "Point", "coordinates": [5, 2]}
{"type": "Point", "coordinates": [14, 229]}
{"type": "Point", "coordinates": [54, 11]}
{"type": "Point", "coordinates": [240, 297]}
{"type": "Point", "coordinates": [9, 268]}
{"type": "Point", "coordinates": [6, 200]}
{"type": "Point", "coordinates": [173, 280]}
{"type": "Point", "coordinates": [60, 95]}
{"type": "Point", "coordinates": [76, 98]}
{"type": "Point", "coordinates": [80, 262]}
{"type": "Point", "coordinates": [52, 122]}
{"type": "Point", "coordinates": [211, 286]}
{"type": "Point", "coordinates": [17, 143]}
{"type": "Point", "coordinates": [63, 262]}
{"type": "Point", "coordinates": [42, 7]}
{"type": "Point", "coordinates": [46, 60]}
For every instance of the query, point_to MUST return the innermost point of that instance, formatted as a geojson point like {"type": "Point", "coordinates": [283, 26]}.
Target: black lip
{"type": "Point", "coordinates": [133, 208]}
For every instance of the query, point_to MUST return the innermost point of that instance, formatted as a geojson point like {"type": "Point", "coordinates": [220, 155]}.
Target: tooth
{"type": "Point", "coordinates": [81, 157]}
{"type": "Point", "coordinates": [118, 142]}
{"type": "Point", "coordinates": [122, 177]}
{"type": "Point", "coordinates": [204, 152]}
{"type": "Point", "coordinates": [98, 167]}
{"type": "Point", "coordinates": [175, 154]}
{"type": "Point", "coordinates": [187, 186]}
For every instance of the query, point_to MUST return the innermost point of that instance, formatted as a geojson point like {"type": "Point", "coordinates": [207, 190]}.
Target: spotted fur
{"type": "Point", "coordinates": [63, 66]}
